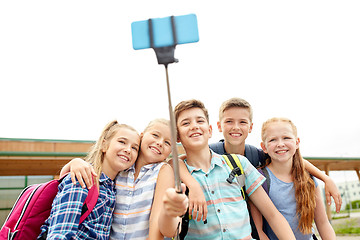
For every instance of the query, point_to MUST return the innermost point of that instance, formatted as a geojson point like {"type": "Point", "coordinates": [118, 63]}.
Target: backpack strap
{"type": "Point", "coordinates": [218, 147]}
{"type": "Point", "coordinates": [266, 184]}
{"type": "Point", "coordinates": [251, 152]}
{"type": "Point", "coordinates": [234, 163]}
{"type": "Point", "coordinates": [90, 201]}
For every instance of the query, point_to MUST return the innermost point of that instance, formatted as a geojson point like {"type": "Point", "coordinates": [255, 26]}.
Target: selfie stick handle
{"type": "Point", "coordinates": [165, 55]}
{"type": "Point", "coordinates": [173, 138]}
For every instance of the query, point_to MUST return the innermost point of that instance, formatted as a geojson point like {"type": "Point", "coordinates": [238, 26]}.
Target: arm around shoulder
{"type": "Point", "coordinates": [322, 223]}
{"type": "Point", "coordinates": [330, 186]}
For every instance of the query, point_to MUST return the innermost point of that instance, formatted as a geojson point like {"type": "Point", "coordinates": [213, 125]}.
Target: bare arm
{"type": "Point", "coordinates": [257, 217]}
{"type": "Point", "coordinates": [276, 220]}
{"type": "Point", "coordinates": [167, 206]}
{"type": "Point", "coordinates": [322, 223]}
{"type": "Point", "coordinates": [80, 170]}
{"type": "Point", "coordinates": [330, 187]}
{"type": "Point", "coordinates": [258, 220]}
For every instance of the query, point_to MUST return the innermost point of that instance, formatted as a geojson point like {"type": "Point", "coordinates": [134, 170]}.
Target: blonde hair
{"type": "Point", "coordinates": [303, 184]}
{"type": "Point", "coordinates": [157, 120]}
{"type": "Point", "coordinates": [96, 155]}
{"type": "Point", "coordinates": [235, 102]}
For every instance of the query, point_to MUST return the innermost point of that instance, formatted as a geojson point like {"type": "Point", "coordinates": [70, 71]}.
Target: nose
{"type": "Point", "coordinates": [236, 125]}
{"type": "Point", "coordinates": [194, 125]}
{"type": "Point", "coordinates": [160, 142]}
{"type": "Point", "coordinates": [281, 143]}
{"type": "Point", "coordinates": [127, 149]}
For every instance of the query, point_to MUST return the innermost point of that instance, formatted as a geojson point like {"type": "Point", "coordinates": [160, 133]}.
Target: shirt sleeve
{"type": "Point", "coordinates": [66, 210]}
{"type": "Point", "coordinates": [253, 179]}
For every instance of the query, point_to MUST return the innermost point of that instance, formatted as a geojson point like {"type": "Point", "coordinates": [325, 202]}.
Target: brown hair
{"type": "Point", "coordinates": [96, 155]}
{"type": "Point", "coordinates": [235, 102]}
{"type": "Point", "coordinates": [303, 184]}
{"type": "Point", "coordinates": [188, 104]}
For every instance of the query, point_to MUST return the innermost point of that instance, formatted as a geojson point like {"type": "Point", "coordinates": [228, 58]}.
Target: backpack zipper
{"type": "Point", "coordinates": [17, 200]}
{"type": "Point", "coordinates": [26, 205]}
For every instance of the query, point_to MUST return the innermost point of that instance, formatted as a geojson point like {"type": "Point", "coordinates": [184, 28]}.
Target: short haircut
{"type": "Point", "coordinates": [235, 102]}
{"type": "Point", "coordinates": [188, 104]}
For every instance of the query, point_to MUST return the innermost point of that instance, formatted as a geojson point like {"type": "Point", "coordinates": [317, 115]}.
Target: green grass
{"type": "Point", "coordinates": [350, 226]}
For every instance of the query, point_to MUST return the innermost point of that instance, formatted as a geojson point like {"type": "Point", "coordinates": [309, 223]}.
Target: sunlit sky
{"type": "Point", "coordinates": [68, 67]}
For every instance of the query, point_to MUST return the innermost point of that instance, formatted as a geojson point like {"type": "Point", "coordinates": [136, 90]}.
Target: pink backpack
{"type": "Point", "coordinates": [33, 207]}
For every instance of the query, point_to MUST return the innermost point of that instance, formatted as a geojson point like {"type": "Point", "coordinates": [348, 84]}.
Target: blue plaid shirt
{"type": "Point", "coordinates": [63, 222]}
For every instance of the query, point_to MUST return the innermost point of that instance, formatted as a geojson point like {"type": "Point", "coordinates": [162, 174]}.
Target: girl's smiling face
{"type": "Point", "coordinates": [156, 143]}
{"type": "Point", "coordinates": [121, 152]}
{"type": "Point", "coordinates": [280, 141]}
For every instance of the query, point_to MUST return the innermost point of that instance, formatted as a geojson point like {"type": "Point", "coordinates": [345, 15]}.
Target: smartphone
{"type": "Point", "coordinates": [186, 30]}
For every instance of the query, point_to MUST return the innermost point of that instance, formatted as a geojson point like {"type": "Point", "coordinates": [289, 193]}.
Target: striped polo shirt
{"type": "Point", "coordinates": [228, 216]}
{"type": "Point", "coordinates": [133, 202]}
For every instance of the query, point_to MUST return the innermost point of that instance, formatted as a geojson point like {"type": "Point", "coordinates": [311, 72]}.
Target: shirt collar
{"type": "Point", "coordinates": [216, 159]}
{"type": "Point", "coordinates": [105, 179]}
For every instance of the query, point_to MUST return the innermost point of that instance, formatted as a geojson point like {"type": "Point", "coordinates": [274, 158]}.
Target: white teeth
{"type": "Point", "coordinates": [124, 158]}
{"type": "Point", "coordinates": [155, 149]}
{"type": "Point", "coordinates": [195, 135]}
{"type": "Point", "coordinates": [235, 134]}
{"type": "Point", "coordinates": [281, 151]}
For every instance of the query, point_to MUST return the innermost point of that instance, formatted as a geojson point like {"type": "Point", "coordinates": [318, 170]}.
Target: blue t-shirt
{"type": "Point", "coordinates": [282, 194]}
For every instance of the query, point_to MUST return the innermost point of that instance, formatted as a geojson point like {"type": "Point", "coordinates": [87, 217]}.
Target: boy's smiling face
{"type": "Point", "coordinates": [193, 128]}
{"type": "Point", "coordinates": [235, 125]}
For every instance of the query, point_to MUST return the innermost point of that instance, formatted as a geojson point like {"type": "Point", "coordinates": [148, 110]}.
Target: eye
{"type": "Point", "coordinates": [121, 141]}
{"type": "Point", "coordinates": [185, 124]}
{"type": "Point", "coordinates": [228, 121]}
{"type": "Point", "coordinates": [135, 149]}
{"type": "Point", "coordinates": [155, 135]}
{"type": "Point", "coordinates": [243, 122]}
{"type": "Point", "coordinates": [168, 143]}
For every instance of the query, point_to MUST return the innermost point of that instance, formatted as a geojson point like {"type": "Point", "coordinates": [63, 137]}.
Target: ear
{"type": "Point", "coordinates": [210, 131]}
{"type": "Point", "coordinates": [219, 126]}
{"type": "Point", "coordinates": [263, 147]}
{"type": "Point", "coordinates": [297, 143]}
{"type": "Point", "coordinates": [251, 127]}
{"type": "Point", "coordinates": [104, 146]}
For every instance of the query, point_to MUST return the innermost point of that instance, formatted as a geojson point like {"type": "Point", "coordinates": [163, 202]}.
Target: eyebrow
{"type": "Point", "coordinates": [126, 139]}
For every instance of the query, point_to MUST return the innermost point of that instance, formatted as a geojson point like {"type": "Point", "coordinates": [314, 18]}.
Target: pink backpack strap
{"type": "Point", "coordinates": [90, 201]}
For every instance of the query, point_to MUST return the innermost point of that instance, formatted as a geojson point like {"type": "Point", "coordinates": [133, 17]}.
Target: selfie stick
{"type": "Point", "coordinates": [165, 55]}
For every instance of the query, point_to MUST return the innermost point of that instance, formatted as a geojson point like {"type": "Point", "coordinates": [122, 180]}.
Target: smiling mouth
{"type": "Point", "coordinates": [154, 149]}
{"type": "Point", "coordinates": [281, 151]}
{"type": "Point", "coordinates": [195, 135]}
{"type": "Point", "coordinates": [235, 134]}
{"type": "Point", "coordinates": [126, 159]}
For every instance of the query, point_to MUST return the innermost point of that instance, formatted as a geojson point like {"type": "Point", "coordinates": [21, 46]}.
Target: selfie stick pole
{"type": "Point", "coordinates": [165, 55]}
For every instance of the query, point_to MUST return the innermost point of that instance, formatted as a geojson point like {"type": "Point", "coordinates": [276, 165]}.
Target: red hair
{"type": "Point", "coordinates": [303, 184]}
